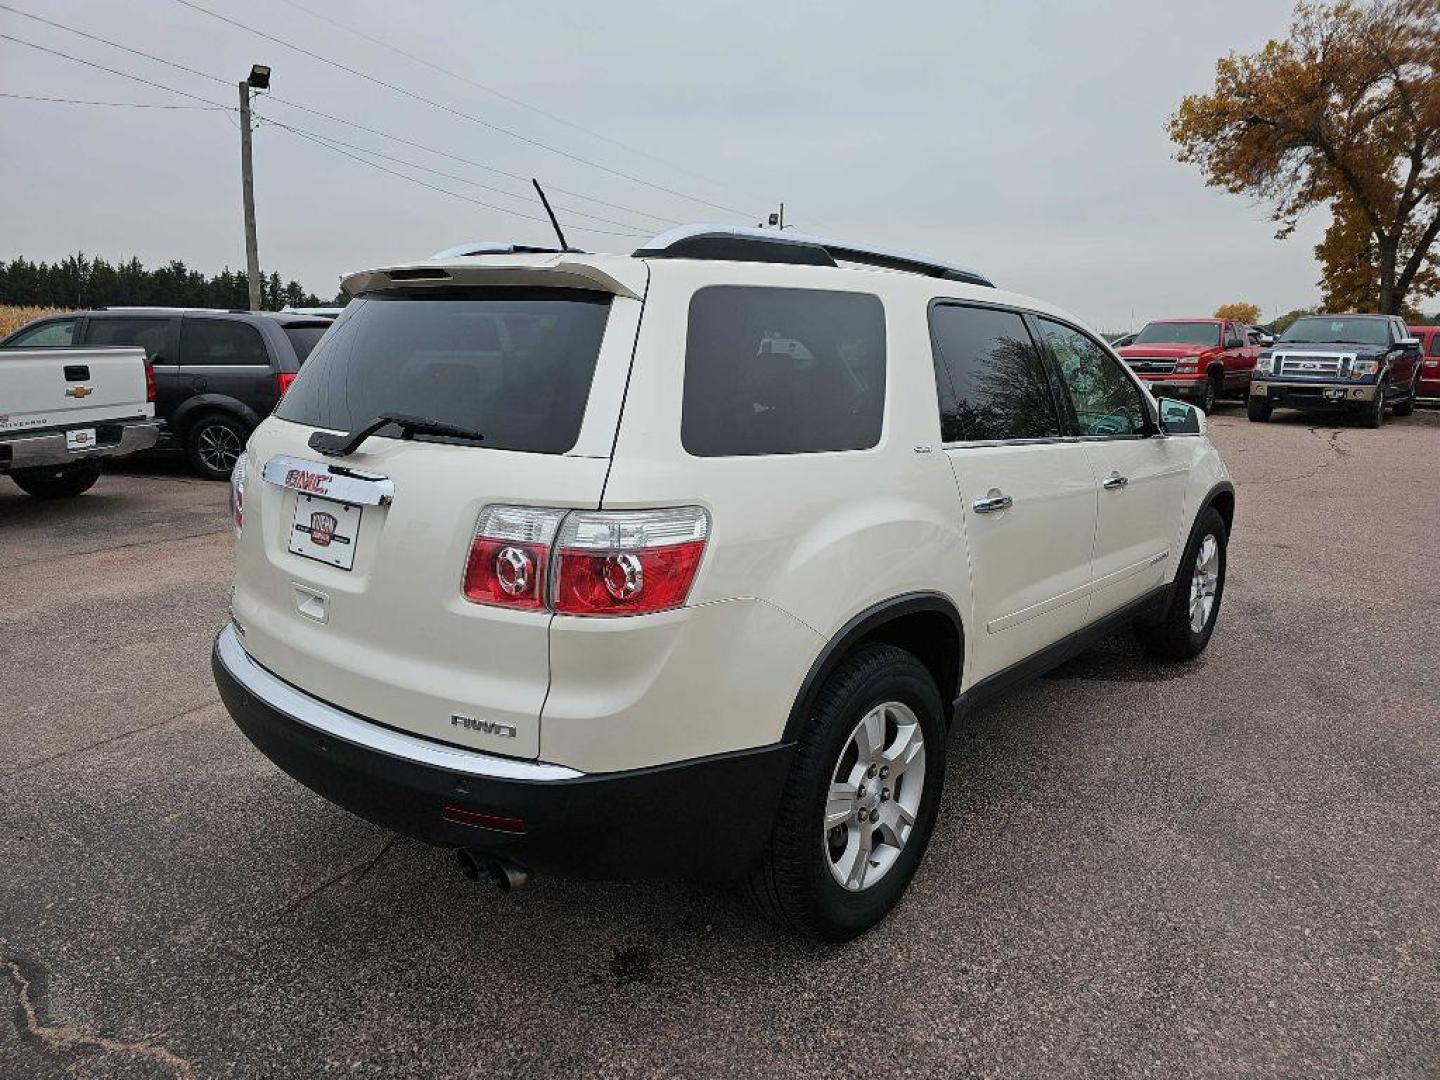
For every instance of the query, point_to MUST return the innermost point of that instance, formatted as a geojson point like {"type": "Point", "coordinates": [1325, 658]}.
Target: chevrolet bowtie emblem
{"type": "Point", "coordinates": [78, 391]}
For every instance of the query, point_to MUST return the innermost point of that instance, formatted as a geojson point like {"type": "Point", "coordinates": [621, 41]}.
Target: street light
{"type": "Point", "coordinates": [259, 77]}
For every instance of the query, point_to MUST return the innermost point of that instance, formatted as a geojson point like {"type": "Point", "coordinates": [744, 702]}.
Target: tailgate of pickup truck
{"type": "Point", "coordinates": [59, 388]}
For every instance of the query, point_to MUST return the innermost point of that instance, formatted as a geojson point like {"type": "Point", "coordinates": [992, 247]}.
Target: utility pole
{"type": "Point", "coordinates": [260, 80]}
{"type": "Point", "coordinates": [777, 221]}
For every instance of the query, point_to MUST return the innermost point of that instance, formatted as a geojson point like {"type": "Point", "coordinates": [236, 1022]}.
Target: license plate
{"type": "Point", "coordinates": [325, 531]}
{"type": "Point", "coordinates": [80, 440]}
{"type": "Point", "coordinates": [1335, 393]}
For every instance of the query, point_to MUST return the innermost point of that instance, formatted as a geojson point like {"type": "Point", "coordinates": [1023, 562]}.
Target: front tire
{"type": "Point", "coordinates": [860, 801]}
{"type": "Point", "coordinates": [1258, 409]}
{"type": "Point", "coordinates": [214, 443]}
{"type": "Point", "coordinates": [1209, 394]}
{"type": "Point", "coordinates": [1183, 629]}
{"type": "Point", "coordinates": [1406, 407]}
{"type": "Point", "coordinates": [1374, 414]}
{"type": "Point", "coordinates": [58, 481]}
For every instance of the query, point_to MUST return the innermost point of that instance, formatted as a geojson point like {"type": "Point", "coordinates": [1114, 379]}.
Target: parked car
{"type": "Point", "coordinates": [698, 594]}
{"type": "Point", "coordinates": [66, 412]}
{"type": "Point", "coordinates": [1339, 363]}
{"type": "Point", "coordinates": [1198, 360]}
{"type": "Point", "coordinates": [218, 373]}
{"type": "Point", "coordinates": [1427, 387]}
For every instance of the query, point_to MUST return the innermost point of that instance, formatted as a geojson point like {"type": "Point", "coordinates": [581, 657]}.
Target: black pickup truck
{"type": "Point", "coordinates": [1339, 363]}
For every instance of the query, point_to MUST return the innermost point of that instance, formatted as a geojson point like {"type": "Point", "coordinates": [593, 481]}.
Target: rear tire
{"type": "Point", "coordinates": [213, 443]}
{"type": "Point", "coordinates": [871, 757]}
{"type": "Point", "coordinates": [58, 481]}
{"type": "Point", "coordinates": [1183, 629]}
{"type": "Point", "coordinates": [1258, 409]}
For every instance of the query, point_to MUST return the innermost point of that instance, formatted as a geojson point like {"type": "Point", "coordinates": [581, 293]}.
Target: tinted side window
{"type": "Point", "coordinates": [221, 341]}
{"type": "Point", "coordinates": [990, 376]}
{"type": "Point", "coordinates": [1106, 402]}
{"type": "Point", "coordinates": [1233, 340]}
{"type": "Point", "coordinates": [1435, 344]}
{"type": "Point", "coordinates": [303, 338]}
{"type": "Point", "coordinates": [782, 371]}
{"type": "Point", "coordinates": [59, 332]}
{"type": "Point", "coordinates": [152, 335]}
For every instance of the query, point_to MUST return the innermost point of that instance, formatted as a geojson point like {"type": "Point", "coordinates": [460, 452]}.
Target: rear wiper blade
{"type": "Point", "coordinates": [341, 445]}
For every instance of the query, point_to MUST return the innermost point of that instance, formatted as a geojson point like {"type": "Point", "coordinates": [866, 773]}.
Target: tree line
{"type": "Point", "coordinates": [79, 281]}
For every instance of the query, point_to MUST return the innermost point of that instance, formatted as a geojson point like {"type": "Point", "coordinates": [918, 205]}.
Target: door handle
{"type": "Point", "coordinates": [1114, 482]}
{"type": "Point", "coordinates": [992, 504]}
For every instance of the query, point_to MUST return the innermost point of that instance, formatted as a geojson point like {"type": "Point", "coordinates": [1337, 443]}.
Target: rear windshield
{"type": "Point", "coordinates": [304, 336]}
{"type": "Point", "coordinates": [514, 364]}
{"type": "Point", "coordinates": [1179, 333]}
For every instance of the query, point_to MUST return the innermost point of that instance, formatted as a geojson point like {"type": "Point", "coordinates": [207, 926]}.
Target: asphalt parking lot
{"type": "Point", "coordinates": [1225, 868]}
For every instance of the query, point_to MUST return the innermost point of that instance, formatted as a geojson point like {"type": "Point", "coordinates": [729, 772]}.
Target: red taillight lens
{"type": "Point", "coordinates": [628, 562]}
{"type": "Point", "coordinates": [238, 476]}
{"type": "Point", "coordinates": [283, 381]}
{"type": "Point", "coordinates": [149, 381]}
{"type": "Point", "coordinates": [509, 561]}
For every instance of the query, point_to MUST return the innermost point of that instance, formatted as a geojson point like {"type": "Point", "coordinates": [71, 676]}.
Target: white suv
{"type": "Point", "coordinates": [682, 563]}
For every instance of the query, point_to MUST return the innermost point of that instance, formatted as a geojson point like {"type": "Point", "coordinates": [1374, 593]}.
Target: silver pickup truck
{"type": "Point", "coordinates": [62, 410]}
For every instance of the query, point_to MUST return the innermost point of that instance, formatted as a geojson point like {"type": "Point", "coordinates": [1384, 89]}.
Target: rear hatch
{"type": "Point", "coordinates": [51, 388]}
{"type": "Point", "coordinates": [350, 568]}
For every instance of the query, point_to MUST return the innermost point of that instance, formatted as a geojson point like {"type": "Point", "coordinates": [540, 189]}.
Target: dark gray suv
{"type": "Point", "coordinates": [217, 373]}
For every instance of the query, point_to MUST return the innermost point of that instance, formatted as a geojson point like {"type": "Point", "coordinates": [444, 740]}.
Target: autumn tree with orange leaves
{"type": "Point", "coordinates": [1240, 312]}
{"type": "Point", "coordinates": [1345, 112]}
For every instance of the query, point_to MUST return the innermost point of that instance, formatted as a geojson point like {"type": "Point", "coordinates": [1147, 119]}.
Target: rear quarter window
{"type": "Point", "coordinates": [782, 371]}
{"type": "Point", "coordinates": [514, 364]}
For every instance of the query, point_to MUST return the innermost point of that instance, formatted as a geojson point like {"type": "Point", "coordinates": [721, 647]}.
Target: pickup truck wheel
{"type": "Point", "coordinates": [1183, 629]}
{"type": "Point", "coordinates": [860, 800]}
{"type": "Point", "coordinates": [1406, 407]}
{"type": "Point", "coordinates": [1258, 409]}
{"type": "Point", "coordinates": [214, 443]}
{"type": "Point", "coordinates": [1374, 414]}
{"type": "Point", "coordinates": [58, 481]}
{"type": "Point", "coordinates": [1208, 395]}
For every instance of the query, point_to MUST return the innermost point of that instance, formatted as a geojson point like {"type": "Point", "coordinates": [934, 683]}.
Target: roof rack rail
{"type": "Point", "coordinates": [767, 245]}
{"type": "Point", "coordinates": [499, 247]}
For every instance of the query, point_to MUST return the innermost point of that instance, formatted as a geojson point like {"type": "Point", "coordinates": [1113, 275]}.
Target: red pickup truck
{"type": "Point", "coordinates": [1196, 359]}
{"type": "Point", "coordinates": [1427, 387]}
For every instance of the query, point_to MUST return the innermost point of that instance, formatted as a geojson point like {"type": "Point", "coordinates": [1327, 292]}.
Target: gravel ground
{"type": "Point", "coordinates": [1225, 868]}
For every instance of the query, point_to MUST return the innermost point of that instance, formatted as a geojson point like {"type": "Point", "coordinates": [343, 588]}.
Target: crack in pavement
{"type": "Point", "coordinates": [59, 1038]}
{"type": "Point", "coordinates": [359, 870]}
{"type": "Point", "coordinates": [108, 740]}
{"type": "Point", "coordinates": [1332, 443]}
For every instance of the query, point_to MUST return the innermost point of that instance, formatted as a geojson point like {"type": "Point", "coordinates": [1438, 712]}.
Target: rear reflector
{"type": "Point", "coordinates": [462, 816]}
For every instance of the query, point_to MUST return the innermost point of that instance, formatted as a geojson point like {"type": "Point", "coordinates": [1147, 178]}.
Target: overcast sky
{"type": "Point", "coordinates": [1026, 140]}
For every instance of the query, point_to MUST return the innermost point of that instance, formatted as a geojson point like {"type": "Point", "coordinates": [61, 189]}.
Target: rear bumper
{"type": "Point", "coordinates": [1340, 395]}
{"type": "Point", "coordinates": [113, 439]}
{"type": "Point", "coordinates": [706, 818]}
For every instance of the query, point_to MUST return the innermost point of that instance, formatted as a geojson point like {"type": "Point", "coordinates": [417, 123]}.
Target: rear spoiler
{"type": "Point", "coordinates": [620, 277]}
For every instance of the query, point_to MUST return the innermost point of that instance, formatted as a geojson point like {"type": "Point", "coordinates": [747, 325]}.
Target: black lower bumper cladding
{"type": "Point", "coordinates": [708, 818]}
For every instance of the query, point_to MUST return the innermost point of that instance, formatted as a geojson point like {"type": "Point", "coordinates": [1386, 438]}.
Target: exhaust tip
{"type": "Point", "coordinates": [507, 876]}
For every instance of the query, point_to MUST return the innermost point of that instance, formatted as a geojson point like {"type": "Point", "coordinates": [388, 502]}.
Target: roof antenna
{"type": "Point", "coordinates": [564, 246]}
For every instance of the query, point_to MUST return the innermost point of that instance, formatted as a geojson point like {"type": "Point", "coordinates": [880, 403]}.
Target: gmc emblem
{"type": "Point", "coordinates": [302, 480]}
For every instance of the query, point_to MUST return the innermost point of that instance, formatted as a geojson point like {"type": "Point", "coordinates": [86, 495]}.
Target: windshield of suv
{"type": "Point", "coordinates": [514, 364]}
{"type": "Point", "coordinates": [1179, 333]}
{"type": "Point", "coordinates": [1320, 329]}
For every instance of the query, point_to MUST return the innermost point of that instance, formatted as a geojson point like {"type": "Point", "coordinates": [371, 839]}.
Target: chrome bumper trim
{"type": "Point", "coordinates": [316, 714]}
{"type": "Point", "coordinates": [50, 449]}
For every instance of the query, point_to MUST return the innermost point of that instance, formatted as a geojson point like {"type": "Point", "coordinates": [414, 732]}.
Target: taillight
{"type": "Point", "coordinates": [149, 381]}
{"type": "Point", "coordinates": [238, 475]}
{"type": "Point", "coordinates": [283, 380]}
{"type": "Point", "coordinates": [628, 562]}
{"type": "Point", "coordinates": [582, 562]}
{"type": "Point", "coordinates": [509, 563]}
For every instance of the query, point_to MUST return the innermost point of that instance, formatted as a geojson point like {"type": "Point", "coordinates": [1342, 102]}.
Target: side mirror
{"type": "Point", "coordinates": [1180, 418]}
{"type": "Point", "coordinates": [1408, 343]}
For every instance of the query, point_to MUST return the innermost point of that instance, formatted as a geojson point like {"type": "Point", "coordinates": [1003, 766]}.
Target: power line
{"type": "Point", "coordinates": [314, 112]}
{"type": "Point", "coordinates": [382, 43]}
{"type": "Point", "coordinates": [437, 172]}
{"type": "Point", "coordinates": [115, 104]}
{"type": "Point", "coordinates": [457, 112]}
{"type": "Point", "coordinates": [321, 141]}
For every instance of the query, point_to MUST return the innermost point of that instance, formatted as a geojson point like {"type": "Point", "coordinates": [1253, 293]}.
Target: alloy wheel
{"type": "Point", "coordinates": [875, 794]}
{"type": "Point", "coordinates": [219, 447]}
{"type": "Point", "coordinates": [1204, 583]}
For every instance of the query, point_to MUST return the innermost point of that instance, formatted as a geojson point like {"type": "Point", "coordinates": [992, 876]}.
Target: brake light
{"type": "Point", "coordinates": [283, 380]}
{"type": "Point", "coordinates": [628, 562]}
{"type": "Point", "coordinates": [583, 562]}
{"type": "Point", "coordinates": [149, 381]}
{"type": "Point", "coordinates": [509, 562]}
{"type": "Point", "coordinates": [238, 475]}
